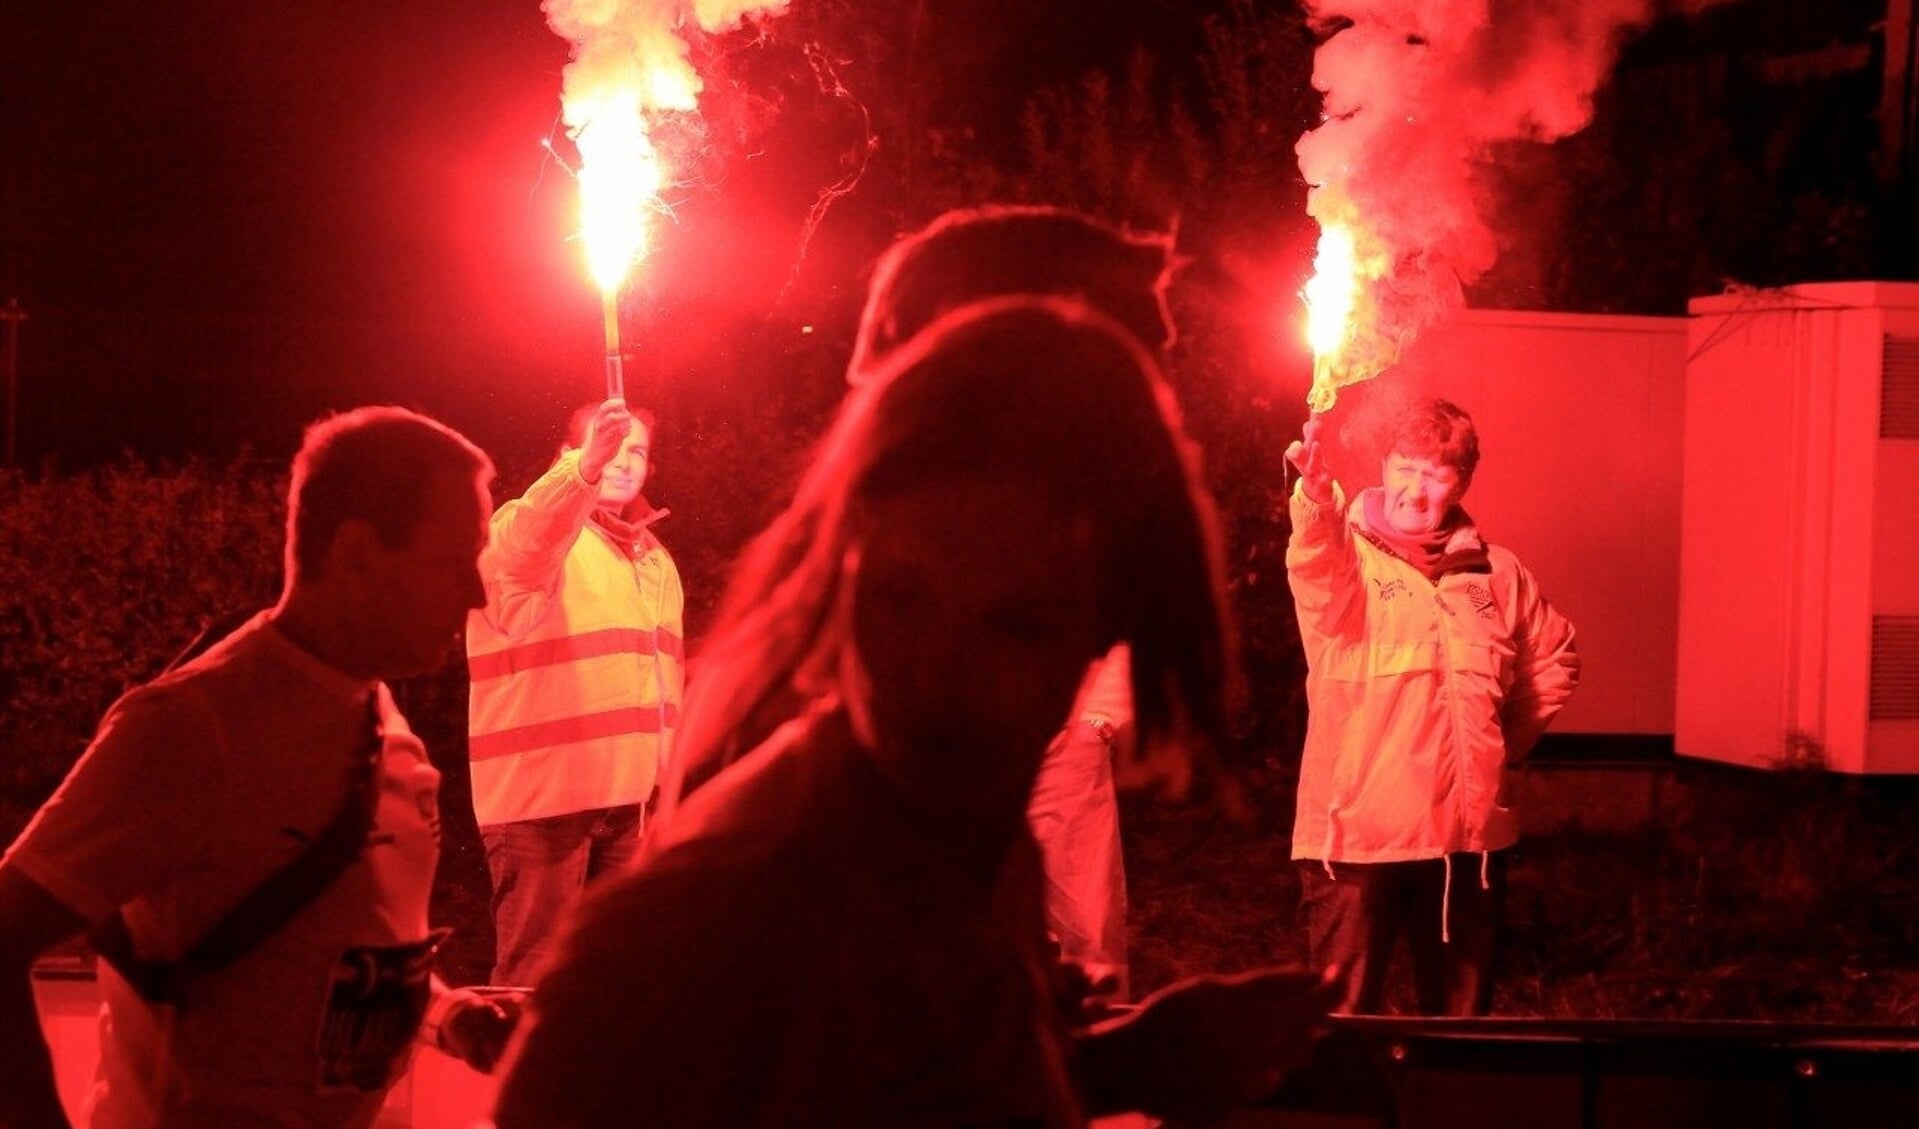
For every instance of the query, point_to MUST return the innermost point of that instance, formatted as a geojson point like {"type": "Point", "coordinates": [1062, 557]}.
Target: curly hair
{"type": "Point", "coordinates": [1439, 430]}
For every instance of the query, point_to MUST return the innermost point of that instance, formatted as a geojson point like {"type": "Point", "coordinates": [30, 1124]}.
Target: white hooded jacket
{"type": "Point", "coordinates": [1421, 690]}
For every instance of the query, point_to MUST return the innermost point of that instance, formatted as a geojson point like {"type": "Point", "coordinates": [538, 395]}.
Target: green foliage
{"type": "Point", "coordinates": [1787, 895]}
{"type": "Point", "coordinates": [738, 471]}
{"type": "Point", "coordinates": [1209, 154]}
{"type": "Point", "coordinates": [1705, 167]}
{"type": "Point", "coordinates": [104, 576]}
{"type": "Point", "coordinates": [1784, 894]}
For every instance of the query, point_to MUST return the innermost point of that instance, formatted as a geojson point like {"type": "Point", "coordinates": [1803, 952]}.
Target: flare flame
{"type": "Point", "coordinates": [629, 68]}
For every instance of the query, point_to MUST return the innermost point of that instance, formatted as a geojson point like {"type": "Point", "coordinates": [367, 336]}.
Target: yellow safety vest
{"type": "Point", "coordinates": [577, 662]}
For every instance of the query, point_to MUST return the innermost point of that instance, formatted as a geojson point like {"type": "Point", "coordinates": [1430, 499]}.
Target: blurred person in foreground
{"type": "Point", "coordinates": [576, 675]}
{"type": "Point", "coordinates": [208, 789]}
{"type": "Point", "coordinates": [968, 255]}
{"type": "Point", "coordinates": [1433, 662]}
{"type": "Point", "coordinates": [845, 927]}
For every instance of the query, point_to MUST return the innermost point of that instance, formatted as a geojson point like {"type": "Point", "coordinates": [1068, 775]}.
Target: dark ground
{"type": "Point", "coordinates": [1788, 896]}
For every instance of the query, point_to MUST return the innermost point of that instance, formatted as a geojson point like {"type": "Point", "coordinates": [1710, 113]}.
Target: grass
{"type": "Point", "coordinates": [1790, 896]}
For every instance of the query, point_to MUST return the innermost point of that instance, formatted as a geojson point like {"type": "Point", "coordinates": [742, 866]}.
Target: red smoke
{"type": "Point", "coordinates": [1417, 93]}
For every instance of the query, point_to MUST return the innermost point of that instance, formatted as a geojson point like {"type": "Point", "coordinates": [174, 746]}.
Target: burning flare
{"type": "Point", "coordinates": [1341, 316]}
{"type": "Point", "coordinates": [1420, 96]}
{"type": "Point", "coordinates": [1329, 295]}
{"type": "Point", "coordinates": [629, 68]}
{"type": "Point", "coordinates": [620, 179]}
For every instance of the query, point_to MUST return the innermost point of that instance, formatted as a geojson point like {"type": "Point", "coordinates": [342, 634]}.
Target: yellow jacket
{"type": "Point", "coordinates": [1420, 690]}
{"type": "Point", "coordinates": [576, 661]}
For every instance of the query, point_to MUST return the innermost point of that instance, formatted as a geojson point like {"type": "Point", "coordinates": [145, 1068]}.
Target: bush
{"type": "Point", "coordinates": [105, 576]}
{"type": "Point", "coordinates": [1786, 896]}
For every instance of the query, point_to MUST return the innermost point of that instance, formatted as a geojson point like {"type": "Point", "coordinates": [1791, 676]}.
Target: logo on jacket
{"type": "Point", "coordinates": [1388, 589]}
{"type": "Point", "coordinates": [1482, 599]}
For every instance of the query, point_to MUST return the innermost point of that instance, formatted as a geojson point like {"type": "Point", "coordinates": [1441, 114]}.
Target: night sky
{"type": "Point", "coordinates": [223, 216]}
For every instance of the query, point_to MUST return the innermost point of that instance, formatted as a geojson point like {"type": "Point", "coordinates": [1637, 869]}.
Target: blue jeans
{"type": "Point", "coordinates": [1357, 919]}
{"type": "Point", "coordinates": [539, 868]}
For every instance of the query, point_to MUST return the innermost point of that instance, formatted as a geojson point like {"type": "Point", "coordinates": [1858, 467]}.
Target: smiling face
{"type": "Point", "coordinates": [625, 472]}
{"type": "Point", "coordinates": [975, 610]}
{"type": "Point", "coordinates": [1420, 492]}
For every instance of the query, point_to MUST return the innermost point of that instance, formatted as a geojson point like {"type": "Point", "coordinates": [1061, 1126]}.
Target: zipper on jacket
{"type": "Point", "coordinates": [1459, 755]}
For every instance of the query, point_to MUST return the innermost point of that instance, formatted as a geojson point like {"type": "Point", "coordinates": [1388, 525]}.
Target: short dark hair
{"type": "Point", "coordinates": [372, 464]}
{"type": "Point", "coordinates": [1439, 430]}
{"type": "Point", "coordinates": [972, 254]}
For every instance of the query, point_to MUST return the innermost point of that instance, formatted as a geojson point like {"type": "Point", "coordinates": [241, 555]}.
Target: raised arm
{"type": "Point", "coordinates": [1321, 563]}
{"type": "Point", "coordinates": [532, 534]}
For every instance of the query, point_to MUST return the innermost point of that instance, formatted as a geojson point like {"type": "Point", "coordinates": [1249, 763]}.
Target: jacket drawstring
{"type": "Point", "coordinates": [1446, 891]}
{"type": "Point", "coordinates": [1326, 848]}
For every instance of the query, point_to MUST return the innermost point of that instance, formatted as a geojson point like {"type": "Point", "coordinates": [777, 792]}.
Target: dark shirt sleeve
{"type": "Point", "coordinates": [664, 1007]}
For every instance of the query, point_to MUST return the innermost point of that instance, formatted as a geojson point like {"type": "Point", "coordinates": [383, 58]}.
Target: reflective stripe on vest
{"type": "Point", "coordinates": [572, 648]}
{"type": "Point", "coordinates": [566, 730]}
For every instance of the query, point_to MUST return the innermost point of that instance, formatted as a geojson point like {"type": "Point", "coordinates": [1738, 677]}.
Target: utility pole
{"type": "Point", "coordinates": [1899, 101]}
{"type": "Point", "coordinates": [13, 315]}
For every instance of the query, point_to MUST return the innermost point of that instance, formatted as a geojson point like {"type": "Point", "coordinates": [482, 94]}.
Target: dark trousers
{"type": "Point", "coordinates": [1356, 919]}
{"type": "Point", "coordinates": [540, 867]}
